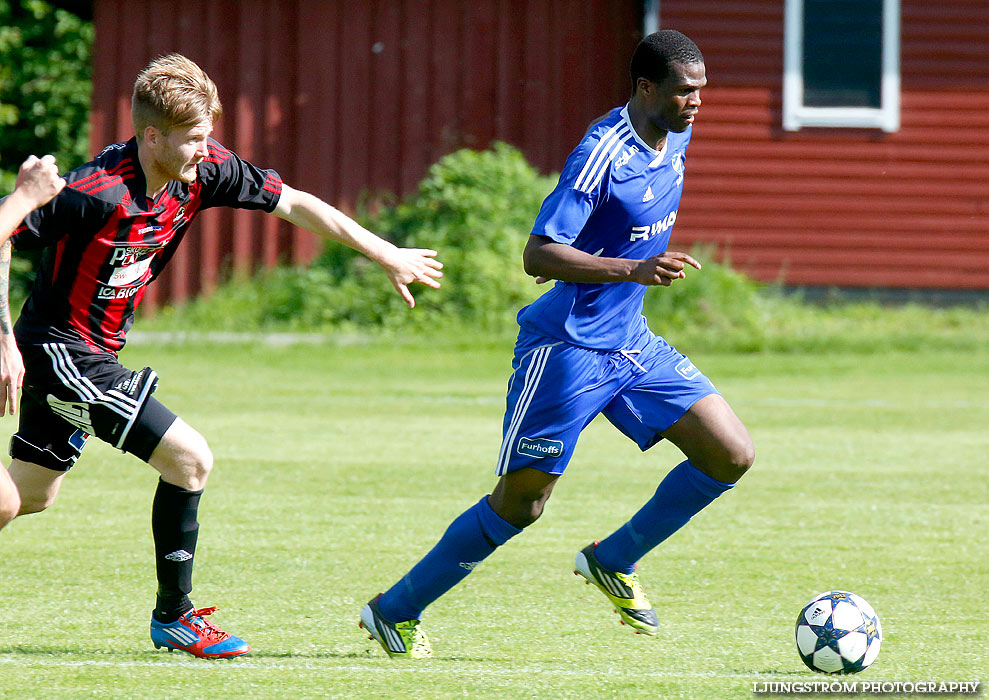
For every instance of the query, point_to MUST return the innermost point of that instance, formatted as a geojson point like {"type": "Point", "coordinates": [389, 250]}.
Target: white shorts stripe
{"type": "Point", "coordinates": [73, 379]}
{"type": "Point", "coordinates": [145, 390]}
{"type": "Point", "coordinates": [532, 377]}
{"type": "Point", "coordinates": [64, 372]}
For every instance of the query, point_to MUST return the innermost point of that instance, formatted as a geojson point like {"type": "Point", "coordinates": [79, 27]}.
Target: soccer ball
{"type": "Point", "coordinates": [838, 632]}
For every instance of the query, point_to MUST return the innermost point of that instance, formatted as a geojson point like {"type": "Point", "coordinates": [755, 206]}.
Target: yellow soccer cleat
{"type": "Point", "coordinates": [623, 590]}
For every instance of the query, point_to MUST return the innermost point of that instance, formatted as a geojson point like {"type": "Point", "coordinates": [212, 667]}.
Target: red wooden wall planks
{"type": "Point", "coordinates": [347, 98]}
{"type": "Point", "coordinates": [842, 207]}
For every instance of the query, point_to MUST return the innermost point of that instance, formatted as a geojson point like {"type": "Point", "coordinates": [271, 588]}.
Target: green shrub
{"type": "Point", "coordinates": [476, 209]}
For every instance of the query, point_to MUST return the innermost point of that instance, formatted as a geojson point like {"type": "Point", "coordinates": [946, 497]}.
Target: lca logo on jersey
{"type": "Point", "coordinates": [626, 156]}
{"type": "Point", "coordinates": [648, 196]}
{"type": "Point", "coordinates": [643, 233]}
{"type": "Point", "coordinates": [677, 163]}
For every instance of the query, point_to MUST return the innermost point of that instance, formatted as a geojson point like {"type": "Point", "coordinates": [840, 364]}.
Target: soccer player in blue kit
{"type": "Point", "coordinates": [584, 348]}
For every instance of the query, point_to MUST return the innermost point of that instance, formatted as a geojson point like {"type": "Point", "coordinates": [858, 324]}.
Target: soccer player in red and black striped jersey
{"type": "Point", "coordinates": [106, 236]}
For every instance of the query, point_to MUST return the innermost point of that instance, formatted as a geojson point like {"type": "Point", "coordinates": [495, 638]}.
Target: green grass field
{"type": "Point", "coordinates": [338, 466]}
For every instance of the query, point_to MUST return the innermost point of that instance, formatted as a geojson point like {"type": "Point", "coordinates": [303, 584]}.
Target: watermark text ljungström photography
{"type": "Point", "coordinates": [825, 687]}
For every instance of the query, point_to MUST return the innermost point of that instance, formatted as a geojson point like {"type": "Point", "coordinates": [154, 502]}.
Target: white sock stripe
{"type": "Point", "coordinates": [595, 152]}
{"type": "Point", "coordinates": [532, 377]}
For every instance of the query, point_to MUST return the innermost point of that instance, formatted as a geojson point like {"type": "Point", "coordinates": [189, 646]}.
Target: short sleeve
{"type": "Point", "coordinates": [565, 211]}
{"type": "Point", "coordinates": [228, 181]}
{"type": "Point", "coordinates": [69, 211]}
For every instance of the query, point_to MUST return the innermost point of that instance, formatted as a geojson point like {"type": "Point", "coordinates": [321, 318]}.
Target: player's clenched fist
{"type": "Point", "coordinates": [664, 268]}
{"type": "Point", "coordinates": [38, 180]}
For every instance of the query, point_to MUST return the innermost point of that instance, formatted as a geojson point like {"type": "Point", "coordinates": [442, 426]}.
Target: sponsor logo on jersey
{"type": "Point", "coordinates": [539, 447]}
{"type": "Point", "coordinates": [132, 265]}
{"type": "Point", "coordinates": [648, 196]}
{"type": "Point", "coordinates": [124, 255]}
{"type": "Point", "coordinates": [179, 216]}
{"type": "Point", "coordinates": [108, 293]}
{"type": "Point", "coordinates": [644, 233]}
{"type": "Point", "coordinates": [626, 156]}
{"type": "Point", "coordinates": [149, 229]}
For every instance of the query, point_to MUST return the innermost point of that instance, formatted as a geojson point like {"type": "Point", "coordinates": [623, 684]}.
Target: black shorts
{"type": "Point", "coordinates": [71, 392]}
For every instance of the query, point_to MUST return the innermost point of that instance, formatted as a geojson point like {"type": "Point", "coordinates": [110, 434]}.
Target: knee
{"type": "Point", "coordinates": [188, 465]}
{"type": "Point", "coordinates": [34, 502]}
{"type": "Point", "coordinates": [521, 510]}
{"type": "Point", "coordinates": [199, 466]}
{"type": "Point", "coordinates": [527, 512]}
{"type": "Point", "coordinates": [739, 459]}
{"type": "Point", "coordinates": [10, 506]}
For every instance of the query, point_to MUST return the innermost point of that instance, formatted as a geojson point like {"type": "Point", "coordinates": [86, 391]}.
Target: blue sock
{"type": "Point", "coordinates": [466, 543]}
{"type": "Point", "coordinates": [684, 492]}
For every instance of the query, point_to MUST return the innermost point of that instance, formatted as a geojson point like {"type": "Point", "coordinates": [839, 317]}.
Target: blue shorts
{"type": "Point", "coordinates": [558, 388]}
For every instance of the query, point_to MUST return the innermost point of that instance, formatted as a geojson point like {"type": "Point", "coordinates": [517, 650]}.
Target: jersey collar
{"type": "Point", "coordinates": [657, 155]}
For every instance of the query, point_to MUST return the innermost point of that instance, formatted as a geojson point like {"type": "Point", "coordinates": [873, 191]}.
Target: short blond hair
{"type": "Point", "coordinates": [173, 91]}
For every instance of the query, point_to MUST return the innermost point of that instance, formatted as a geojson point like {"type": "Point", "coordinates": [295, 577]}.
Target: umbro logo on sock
{"type": "Point", "coordinates": [178, 555]}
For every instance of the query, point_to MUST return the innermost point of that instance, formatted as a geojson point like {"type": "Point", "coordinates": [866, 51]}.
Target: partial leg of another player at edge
{"type": "Point", "coordinates": [184, 461]}
{"type": "Point", "coordinates": [718, 450]}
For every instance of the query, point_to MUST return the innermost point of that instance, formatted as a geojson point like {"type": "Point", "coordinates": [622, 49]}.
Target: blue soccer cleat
{"type": "Point", "coordinates": [192, 633]}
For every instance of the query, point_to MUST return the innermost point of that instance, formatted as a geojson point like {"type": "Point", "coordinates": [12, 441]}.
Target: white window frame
{"type": "Point", "coordinates": [797, 115]}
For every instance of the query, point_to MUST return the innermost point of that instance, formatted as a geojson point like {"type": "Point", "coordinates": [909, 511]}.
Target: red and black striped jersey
{"type": "Point", "coordinates": [104, 240]}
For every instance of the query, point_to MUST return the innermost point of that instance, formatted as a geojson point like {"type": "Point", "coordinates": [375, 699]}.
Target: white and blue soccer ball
{"type": "Point", "coordinates": [838, 632]}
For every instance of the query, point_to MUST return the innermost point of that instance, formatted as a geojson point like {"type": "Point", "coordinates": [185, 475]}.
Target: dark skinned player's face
{"type": "Point", "coordinates": [672, 104]}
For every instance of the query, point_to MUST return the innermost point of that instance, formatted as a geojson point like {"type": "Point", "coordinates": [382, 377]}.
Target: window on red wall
{"type": "Point", "coordinates": [841, 64]}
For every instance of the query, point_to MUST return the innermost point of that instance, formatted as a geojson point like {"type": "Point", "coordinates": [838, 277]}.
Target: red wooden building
{"type": "Point", "coordinates": [344, 97]}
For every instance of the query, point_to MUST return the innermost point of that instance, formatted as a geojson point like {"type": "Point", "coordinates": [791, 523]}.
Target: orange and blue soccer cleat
{"type": "Point", "coordinates": [194, 634]}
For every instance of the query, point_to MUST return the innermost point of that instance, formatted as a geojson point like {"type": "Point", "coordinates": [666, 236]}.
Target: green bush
{"type": "Point", "coordinates": [45, 94]}
{"type": "Point", "coordinates": [476, 209]}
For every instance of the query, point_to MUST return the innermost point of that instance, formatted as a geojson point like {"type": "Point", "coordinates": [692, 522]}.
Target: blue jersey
{"type": "Point", "coordinates": [617, 197]}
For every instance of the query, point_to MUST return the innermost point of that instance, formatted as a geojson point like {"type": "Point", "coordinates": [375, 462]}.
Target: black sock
{"type": "Point", "coordinates": [175, 529]}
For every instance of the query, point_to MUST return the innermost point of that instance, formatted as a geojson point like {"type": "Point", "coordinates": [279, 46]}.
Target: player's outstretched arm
{"type": "Point", "coordinates": [402, 265]}
{"type": "Point", "coordinates": [37, 182]}
{"type": "Point", "coordinates": [545, 259]}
